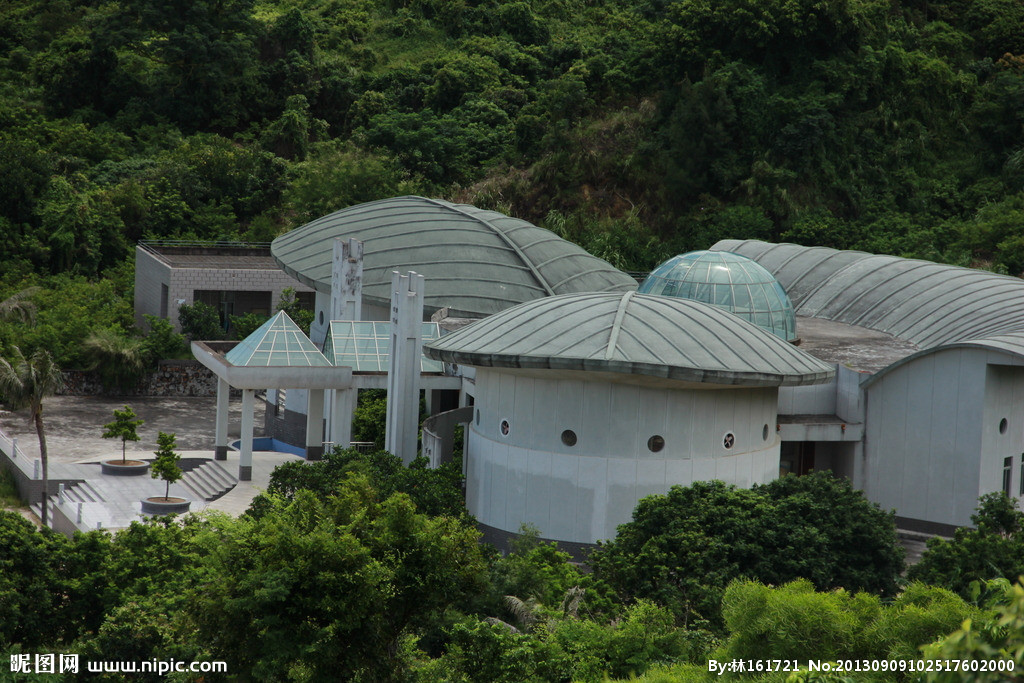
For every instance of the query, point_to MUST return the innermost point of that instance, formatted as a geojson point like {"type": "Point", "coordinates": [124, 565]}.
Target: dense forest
{"type": "Point", "coordinates": [638, 128]}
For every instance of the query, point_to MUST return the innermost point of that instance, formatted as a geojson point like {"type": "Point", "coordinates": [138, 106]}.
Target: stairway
{"type": "Point", "coordinates": [209, 481]}
{"type": "Point", "coordinates": [79, 492]}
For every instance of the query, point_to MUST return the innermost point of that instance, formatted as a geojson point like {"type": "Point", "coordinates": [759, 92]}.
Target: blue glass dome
{"type": "Point", "coordinates": [729, 281]}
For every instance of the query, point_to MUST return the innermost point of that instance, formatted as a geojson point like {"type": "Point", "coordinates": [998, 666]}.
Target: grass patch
{"type": "Point", "coordinates": [9, 491]}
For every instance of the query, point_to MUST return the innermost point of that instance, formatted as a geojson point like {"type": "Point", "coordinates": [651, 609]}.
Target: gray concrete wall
{"type": "Point", "coordinates": [1004, 400]}
{"type": "Point", "coordinates": [580, 493]}
{"type": "Point", "coordinates": [150, 274]}
{"type": "Point", "coordinates": [815, 399]}
{"type": "Point", "coordinates": [923, 437]}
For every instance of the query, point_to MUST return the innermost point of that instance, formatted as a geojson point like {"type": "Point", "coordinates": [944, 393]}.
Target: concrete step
{"type": "Point", "coordinates": [209, 481]}
{"type": "Point", "coordinates": [82, 492]}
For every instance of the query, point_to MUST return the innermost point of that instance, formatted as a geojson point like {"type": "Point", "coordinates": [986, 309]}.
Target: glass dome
{"type": "Point", "coordinates": [730, 281]}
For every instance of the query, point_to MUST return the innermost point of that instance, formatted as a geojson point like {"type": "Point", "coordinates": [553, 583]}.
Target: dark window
{"type": "Point", "coordinates": [729, 440]}
{"type": "Point", "coordinates": [655, 443]}
{"type": "Point", "coordinates": [1007, 474]}
{"type": "Point", "coordinates": [1022, 474]}
{"type": "Point", "coordinates": [164, 296]}
{"type": "Point", "coordinates": [569, 437]}
{"type": "Point", "coordinates": [764, 433]}
{"type": "Point", "coordinates": [1002, 426]}
{"type": "Point", "coordinates": [505, 427]}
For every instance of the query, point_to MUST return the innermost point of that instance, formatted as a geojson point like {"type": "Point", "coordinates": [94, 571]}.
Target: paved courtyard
{"type": "Point", "coordinates": [74, 428]}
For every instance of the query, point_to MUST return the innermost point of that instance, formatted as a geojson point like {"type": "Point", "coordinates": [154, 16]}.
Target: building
{"type": "Point", "coordinates": [585, 403]}
{"type": "Point", "coordinates": [234, 278]}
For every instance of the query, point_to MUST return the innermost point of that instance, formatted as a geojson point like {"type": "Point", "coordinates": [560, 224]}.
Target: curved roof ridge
{"type": "Point", "coordinates": [500, 233]}
{"type": "Point", "coordinates": [631, 334]}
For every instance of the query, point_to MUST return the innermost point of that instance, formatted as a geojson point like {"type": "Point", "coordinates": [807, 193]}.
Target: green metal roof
{"type": "Point", "coordinates": [277, 342]}
{"type": "Point", "coordinates": [365, 345]}
{"type": "Point", "coordinates": [476, 262]}
{"type": "Point", "coordinates": [635, 334]}
{"type": "Point", "coordinates": [929, 304]}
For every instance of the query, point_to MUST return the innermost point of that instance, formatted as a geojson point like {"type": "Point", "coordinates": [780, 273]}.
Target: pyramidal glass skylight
{"type": "Point", "coordinates": [365, 345]}
{"type": "Point", "coordinates": [278, 342]}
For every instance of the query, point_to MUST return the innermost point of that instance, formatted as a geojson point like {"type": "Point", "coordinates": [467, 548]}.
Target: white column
{"type": "Point", "coordinates": [220, 441]}
{"type": "Point", "coordinates": [343, 408]}
{"type": "Point", "coordinates": [404, 368]}
{"type": "Point", "coordinates": [245, 460]}
{"type": "Point", "coordinates": [315, 425]}
{"type": "Point", "coordinates": [347, 280]}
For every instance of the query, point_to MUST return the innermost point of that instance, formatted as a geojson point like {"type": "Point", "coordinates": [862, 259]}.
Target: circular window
{"type": "Point", "coordinates": [764, 433]}
{"type": "Point", "coordinates": [478, 416]}
{"type": "Point", "coordinates": [569, 437]}
{"type": "Point", "coordinates": [655, 443]}
{"type": "Point", "coordinates": [1002, 426]}
{"type": "Point", "coordinates": [505, 427]}
{"type": "Point", "coordinates": [321, 317]}
{"type": "Point", "coordinates": [729, 440]}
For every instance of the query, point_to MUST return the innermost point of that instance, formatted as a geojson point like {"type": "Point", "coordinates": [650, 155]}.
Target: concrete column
{"type": "Point", "coordinates": [220, 441]}
{"type": "Point", "coordinates": [343, 408]}
{"type": "Point", "coordinates": [315, 425]}
{"type": "Point", "coordinates": [404, 368]}
{"type": "Point", "coordinates": [248, 417]}
{"type": "Point", "coordinates": [347, 279]}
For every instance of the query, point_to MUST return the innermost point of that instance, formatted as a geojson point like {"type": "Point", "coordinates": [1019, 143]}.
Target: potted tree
{"type": "Point", "coordinates": [166, 467]}
{"type": "Point", "coordinates": [125, 427]}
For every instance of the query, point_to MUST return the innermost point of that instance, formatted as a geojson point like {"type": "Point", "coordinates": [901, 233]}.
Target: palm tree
{"type": "Point", "coordinates": [24, 384]}
{"type": "Point", "coordinates": [19, 307]}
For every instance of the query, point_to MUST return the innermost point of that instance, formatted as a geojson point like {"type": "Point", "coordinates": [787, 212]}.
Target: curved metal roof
{"type": "Point", "coordinates": [926, 303]}
{"type": "Point", "coordinates": [635, 334]}
{"type": "Point", "coordinates": [476, 262]}
{"type": "Point", "coordinates": [1011, 344]}
{"type": "Point", "coordinates": [729, 281]}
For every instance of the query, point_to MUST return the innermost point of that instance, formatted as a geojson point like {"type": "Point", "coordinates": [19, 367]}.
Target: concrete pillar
{"type": "Point", "coordinates": [347, 279]}
{"type": "Point", "coordinates": [315, 425]}
{"type": "Point", "coordinates": [404, 369]}
{"type": "Point", "coordinates": [220, 441]}
{"type": "Point", "coordinates": [248, 417]}
{"type": "Point", "coordinates": [343, 408]}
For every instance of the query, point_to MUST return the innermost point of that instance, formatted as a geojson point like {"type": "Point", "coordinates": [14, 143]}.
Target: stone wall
{"type": "Point", "coordinates": [171, 378]}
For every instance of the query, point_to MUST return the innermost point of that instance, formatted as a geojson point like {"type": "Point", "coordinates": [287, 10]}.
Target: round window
{"type": "Point", "coordinates": [505, 427]}
{"type": "Point", "coordinates": [764, 433]}
{"type": "Point", "coordinates": [1002, 426]}
{"type": "Point", "coordinates": [478, 416]}
{"type": "Point", "coordinates": [569, 437]}
{"type": "Point", "coordinates": [321, 317]}
{"type": "Point", "coordinates": [655, 443]}
{"type": "Point", "coordinates": [729, 440]}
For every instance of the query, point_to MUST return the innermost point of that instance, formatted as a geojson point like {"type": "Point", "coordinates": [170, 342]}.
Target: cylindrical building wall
{"type": "Point", "coordinates": [572, 457]}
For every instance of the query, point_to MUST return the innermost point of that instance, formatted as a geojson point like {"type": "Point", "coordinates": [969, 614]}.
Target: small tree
{"type": "Point", "coordinates": [166, 464]}
{"type": "Point", "coordinates": [125, 426]}
{"type": "Point", "coordinates": [200, 321]}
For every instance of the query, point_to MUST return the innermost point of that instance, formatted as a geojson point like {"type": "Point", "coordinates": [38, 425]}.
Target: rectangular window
{"type": "Point", "coordinates": [1022, 474]}
{"type": "Point", "coordinates": [164, 295]}
{"type": "Point", "coordinates": [1007, 475]}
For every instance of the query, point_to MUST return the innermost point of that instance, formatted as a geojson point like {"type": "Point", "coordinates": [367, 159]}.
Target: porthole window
{"type": "Point", "coordinates": [764, 433]}
{"type": "Point", "coordinates": [655, 443]}
{"type": "Point", "coordinates": [729, 440]}
{"type": "Point", "coordinates": [505, 427]}
{"type": "Point", "coordinates": [321, 317]}
{"type": "Point", "coordinates": [569, 437]}
{"type": "Point", "coordinates": [1002, 426]}
{"type": "Point", "coordinates": [478, 417]}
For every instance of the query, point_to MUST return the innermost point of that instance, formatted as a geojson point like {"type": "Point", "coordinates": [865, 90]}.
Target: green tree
{"type": "Point", "coordinates": [682, 549]}
{"type": "Point", "coordinates": [125, 427]}
{"type": "Point", "coordinates": [25, 383]}
{"type": "Point", "coordinates": [119, 361]}
{"type": "Point", "coordinates": [199, 321]}
{"type": "Point", "coordinates": [993, 549]}
{"type": "Point", "coordinates": [162, 341]}
{"type": "Point", "coordinates": [289, 303]}
{"type": "Point", "coordinates": [165, 466]}
{"type": "Point", "coordinates": [324, 588]}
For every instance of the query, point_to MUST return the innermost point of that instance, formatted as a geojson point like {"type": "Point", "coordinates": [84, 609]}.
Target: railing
{"type": "Point", "coordinates": [29, 467]}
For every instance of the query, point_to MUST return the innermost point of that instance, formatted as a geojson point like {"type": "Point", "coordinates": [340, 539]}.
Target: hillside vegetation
{"type": "Point", "coordinates": [637, 128]}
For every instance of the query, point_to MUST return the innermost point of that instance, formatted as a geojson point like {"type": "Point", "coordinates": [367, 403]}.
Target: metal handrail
{"type": "Point", "coordinates": [232, 244]}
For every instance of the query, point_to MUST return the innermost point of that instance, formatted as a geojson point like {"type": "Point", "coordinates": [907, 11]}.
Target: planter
{"type": "Point", "coordinates": [158, 505]}
{"type": "Point", "coordinates": [130, 468]}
